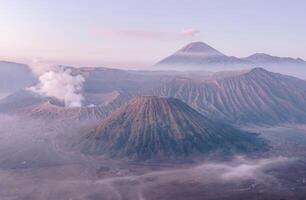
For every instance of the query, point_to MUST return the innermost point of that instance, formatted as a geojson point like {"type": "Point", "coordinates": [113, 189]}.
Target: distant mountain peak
{"type": "Point", "coordinates": [263, 57]}
{"type": "Point", "coordinates": [197, 56]}
{"type": "Point", "coordinates": [199, 48]}
{"type": "Point", "coordinates": [260, 55]}
{"type": "Point", "coordinates": [300, 60]}
{"type": "Point", "coordinates": [259, 72]}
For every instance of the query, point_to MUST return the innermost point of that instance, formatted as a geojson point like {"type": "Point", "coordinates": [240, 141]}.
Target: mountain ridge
{"type": "Point", "coordinates": [256, 96]}
{"type": "Point", "coordinates": [213, 60]}
{"type": "Point", "coordinates": [263, 57]}
{"type": "Point", "coordinates": [240, 97]}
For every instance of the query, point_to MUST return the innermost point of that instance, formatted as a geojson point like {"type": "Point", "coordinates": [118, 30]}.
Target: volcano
{"type": "Point", "coordinates": [199, 56]}
{"type": "Point", "coordinates": [153, 127]}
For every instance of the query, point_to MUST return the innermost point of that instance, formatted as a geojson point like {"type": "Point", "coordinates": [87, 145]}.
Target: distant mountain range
{"type": "Point", "coordinates": [262, 58]}
{"type": "Point", "coordinates": [200, 56]}
{"type": "Point", "coordinates": [195, 59]}
{"type": "Point", "coordinates": [153, 127]}
{"type": "Point", "coordinates": [28, 104]}
{"type": "Point", "coordinates": [162, 114]}
{"type": "Point", "coordinates": [14, 76]}
{"type": "Point", "coordinates": [104, 90]}
{"type": "Point", "coordinates": [254, 96]}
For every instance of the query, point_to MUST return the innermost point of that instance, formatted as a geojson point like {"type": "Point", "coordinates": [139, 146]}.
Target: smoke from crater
{"type": "Point", "coordinates": [58, 82]}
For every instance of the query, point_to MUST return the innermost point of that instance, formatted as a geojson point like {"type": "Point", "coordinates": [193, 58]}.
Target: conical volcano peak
{"type": "Point", "coordinates": [154, 127]}
{"type": "Point", "coordinates": [149, 98]}
{"type": "Point", "coordinates": [197, 56]}
{"type": "Point", "coordinates": [199, 47]}
{"type": "Point", "coordinates": [153, 99]}
{"type": "Point", "coordinates": [259, 70]}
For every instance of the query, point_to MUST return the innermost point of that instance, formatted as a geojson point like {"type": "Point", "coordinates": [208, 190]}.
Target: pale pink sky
{"type": "Point", "coordinates": [136, 33]}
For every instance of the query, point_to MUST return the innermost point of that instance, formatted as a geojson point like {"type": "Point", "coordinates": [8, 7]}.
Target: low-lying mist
{"type": "Point", "coordinates": [35, 159]}
{"type": "Point", "coordinates": [26, 143]}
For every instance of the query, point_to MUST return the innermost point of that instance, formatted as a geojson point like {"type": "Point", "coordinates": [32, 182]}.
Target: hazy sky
{"type": "Point", "coordinates": [137, 33]}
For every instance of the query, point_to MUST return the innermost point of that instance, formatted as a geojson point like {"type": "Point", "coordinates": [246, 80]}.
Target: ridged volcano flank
{"type": "Point", "coordinates": [253, 97]}
{"type": "Point", "coordinates": [150, 127]}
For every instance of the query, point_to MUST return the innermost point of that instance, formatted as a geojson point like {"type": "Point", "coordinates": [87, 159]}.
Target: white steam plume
{"type": "Point", "coordinates": [58, 82]}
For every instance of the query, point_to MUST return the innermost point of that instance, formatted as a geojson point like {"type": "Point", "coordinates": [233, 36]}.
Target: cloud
{"type": "Point", "coordinates": [190, 32]}
{"type": "Point", "coordinates": [241, 168]}
{"type": "Point", "coordinates": [223, 175]}
{"type": "Point", "coordinates": [58, 82]}
{"type": "Point", "coordinates": [156, 35]}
